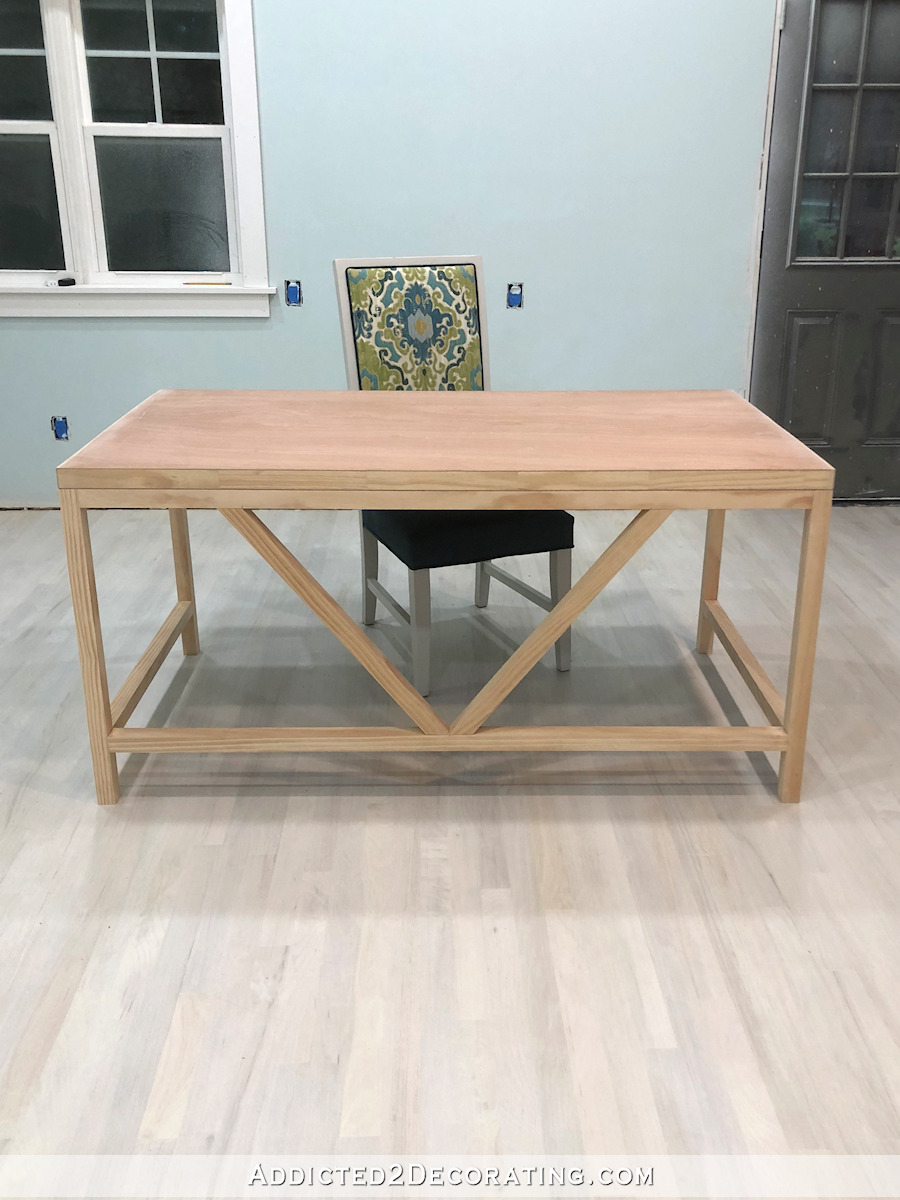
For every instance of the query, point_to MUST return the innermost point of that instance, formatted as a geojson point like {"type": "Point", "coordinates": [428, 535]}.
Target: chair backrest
{"type": "Point", "coordinates": [413, 324]}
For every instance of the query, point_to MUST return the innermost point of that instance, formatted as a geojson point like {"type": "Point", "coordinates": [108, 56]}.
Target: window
{"type": "Point", "coordinates": [129, 159]}
{"type": "Point", "coordinates": [848, 201]}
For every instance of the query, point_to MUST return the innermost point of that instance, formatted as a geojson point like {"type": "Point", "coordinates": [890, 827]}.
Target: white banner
{"type": "Point", "coordinates": [713, 1176]}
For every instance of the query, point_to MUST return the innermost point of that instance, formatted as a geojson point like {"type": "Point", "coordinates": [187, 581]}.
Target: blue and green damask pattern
{"type": "Point", "coordinates": [416, 328]}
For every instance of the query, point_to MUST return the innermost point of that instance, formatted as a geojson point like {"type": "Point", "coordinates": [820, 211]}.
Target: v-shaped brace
{"type": "Point", "coordinates": [383, 670]}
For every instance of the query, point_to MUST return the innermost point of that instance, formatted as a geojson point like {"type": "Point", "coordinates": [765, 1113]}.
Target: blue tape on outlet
{"type": "Point", "coordinates": [514, 295]}
{"type": "Point", "coordinates": [60, 427]}
{"type": "Point", "coordinates": [293, 293]}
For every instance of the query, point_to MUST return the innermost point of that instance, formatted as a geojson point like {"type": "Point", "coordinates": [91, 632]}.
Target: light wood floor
{"type": "Point", "coordinates": [438, 953]}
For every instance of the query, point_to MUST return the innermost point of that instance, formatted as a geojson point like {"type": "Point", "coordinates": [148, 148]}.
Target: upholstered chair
{"type": "Point", "coordinates": [418, 325]}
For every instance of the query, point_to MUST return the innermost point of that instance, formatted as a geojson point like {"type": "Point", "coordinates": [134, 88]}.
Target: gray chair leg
{"type": "Point", "coordinates": [420, 629]}
{"type": "Point", "coordinates": [560, 583]}
{"type": "Point", "coordinates": [482, 585]}
{"type": "Point", "coordinates": [369, 571]}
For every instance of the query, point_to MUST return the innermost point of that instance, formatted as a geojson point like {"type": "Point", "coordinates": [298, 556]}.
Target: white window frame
{"type": "Point", "coordinates": [243, 292]}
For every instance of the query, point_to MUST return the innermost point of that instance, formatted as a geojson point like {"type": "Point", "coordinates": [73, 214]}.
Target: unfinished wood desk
{"type": "Point", "coordinates": [653, 452]}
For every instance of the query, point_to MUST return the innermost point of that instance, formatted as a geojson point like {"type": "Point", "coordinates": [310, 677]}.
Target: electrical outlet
{"type": "Point", "coordinates": [60, 427]}
{"type": "Point", "coordinates": [515, 295]}
{"type": "Point", "coordinates": [293, 293]}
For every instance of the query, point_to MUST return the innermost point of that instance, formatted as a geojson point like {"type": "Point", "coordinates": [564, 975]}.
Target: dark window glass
{"type": "Point", "coordinates": [878, 135]}
{"type": "Point", "coordinates": [828, 137]}
{"type": "Point", "coordinates": [186, 25]}
{"type": "Point", "coordinates": [867, 223]}
{"type": "Point", "coordinates": [20, 25]}
{"type": "Point", "coordinates": [163, 203]}
{"type": "Point", "coordinates": [24, 90]}
{"type": "Point", "coordinates": [883, 55]}
{"type": "Point", "coordinates": [840, 35]}
{"type": "Point", "coordinates": [190, 91]}
{"type": "Point", "coordinates": [121, 89]}
{"type": "Point", "coordinates": [30, 234]}
{"type": "Point", "coordinates": [819, 219]}
{"type": "Point", "coordinates": [115, 24]}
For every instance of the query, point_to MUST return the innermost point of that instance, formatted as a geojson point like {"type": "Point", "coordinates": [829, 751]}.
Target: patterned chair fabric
{"type": "Point", "coordinates": [416, 328]}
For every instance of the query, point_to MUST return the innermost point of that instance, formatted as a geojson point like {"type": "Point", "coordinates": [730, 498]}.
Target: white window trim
{"type": "Point", "coordinates": [98, 292]}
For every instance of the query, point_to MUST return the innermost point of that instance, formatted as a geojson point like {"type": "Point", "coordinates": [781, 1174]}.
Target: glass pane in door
{"type": "Point", "coordinates": [828, 139]}
{"type": "Point", "coordinates": [867, 223]}
{"type": "Point", "coordinates": [883, 56]}
{"type": "Point", "coordinates": [878, 134]}
{"type": "Point", "coordinates": [840, 38]}
{"type": "Point", "coordinates": [820, 218]}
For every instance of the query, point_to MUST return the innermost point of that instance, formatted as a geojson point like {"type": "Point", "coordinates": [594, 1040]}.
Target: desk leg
{"type": "Point", "coordinates": [709, 587]}
{"type": "Point", "coordinates": [184, 576]}
{"type": "Point", "coordinates": [90, 645]}
{"type": "Point", "coordinates": [803, 645]}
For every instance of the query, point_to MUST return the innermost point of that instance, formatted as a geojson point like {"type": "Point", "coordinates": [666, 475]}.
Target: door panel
{"type": "Point", "coordinates": [884, 422]}
{"type": "Point", "coordinates": [826, 361]}
{"type": "Point", "coordinates": [808, 393]}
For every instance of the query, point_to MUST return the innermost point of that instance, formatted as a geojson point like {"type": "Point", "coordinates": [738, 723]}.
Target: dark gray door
{"type": "Point", "coordinates": [826, 358]}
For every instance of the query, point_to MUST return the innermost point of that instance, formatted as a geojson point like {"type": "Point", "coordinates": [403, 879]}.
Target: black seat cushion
{"type": "Point", "coordinates": [451, 538]}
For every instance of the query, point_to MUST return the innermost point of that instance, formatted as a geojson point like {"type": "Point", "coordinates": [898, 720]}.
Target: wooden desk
{"type": "Point", "coordinates": [649, 451]}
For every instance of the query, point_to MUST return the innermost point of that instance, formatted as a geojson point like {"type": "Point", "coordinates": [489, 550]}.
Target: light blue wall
{"type": "Point", "coordinates": [606, 152]}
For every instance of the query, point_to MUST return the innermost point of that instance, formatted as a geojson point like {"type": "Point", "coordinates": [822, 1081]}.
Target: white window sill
{"type": "Point", "coordinates": [99, 301]}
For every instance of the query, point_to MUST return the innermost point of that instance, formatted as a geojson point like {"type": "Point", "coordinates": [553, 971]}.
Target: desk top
{"type": "Point", "coordinates": [430, 440]}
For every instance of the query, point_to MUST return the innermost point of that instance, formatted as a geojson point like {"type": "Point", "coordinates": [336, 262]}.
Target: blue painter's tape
{"type": "Point", "coordinates": [514, 295]}
{"type": "Point", "coordinates": [60, 427]}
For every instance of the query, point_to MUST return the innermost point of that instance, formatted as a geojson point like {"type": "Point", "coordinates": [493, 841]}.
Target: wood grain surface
{"type": "Point", "coordinates": [538, 440]}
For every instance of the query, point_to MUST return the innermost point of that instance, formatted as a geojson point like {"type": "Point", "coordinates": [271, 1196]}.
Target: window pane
{"type": "Point", "coordinates": [840, 32]}
{"type": "Point", "coordinates": [121, 89]}
{"type": "Point", "coordinates": [878, 136]}
{"type": "Point", "coordinates": [870, 209]}
{"type": "Point", "coordinates": [20, 25]}
{"type": "Point", "coordinates": [186, 25]}
{"type": "Point", "coordinates": [115, 24]}
{"type": "Point", "coordinates": [30, 235]}
{"type": "Point", "coordinates": [163, 203]}
{"type": "Point", "coordinates": [828, 139]}
{"type": "Point", "coordinates": [883, 54]}
{"type": "Point", "coordinates": [819, 218]}
{"type": "Point", "coordinates": [191, 91]}
{"type": "Point", "coordinates": [24, 91]}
